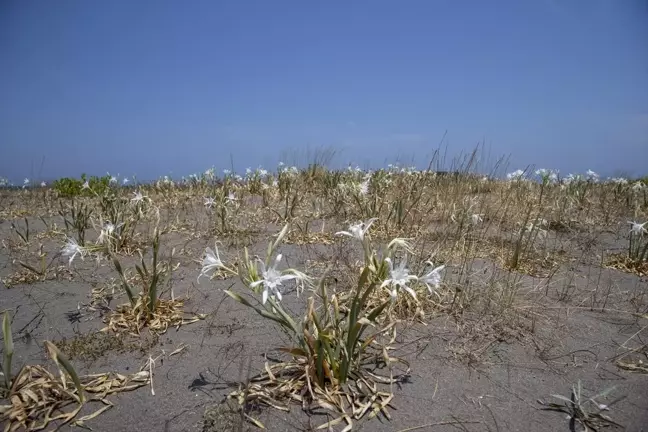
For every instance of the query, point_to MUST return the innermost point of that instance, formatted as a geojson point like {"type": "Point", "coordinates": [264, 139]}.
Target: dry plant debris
{"type": "Point", "coordinates": [39, 399]}
{"type": "Point", "coordinates": [283, 383]}
{"type": "Point", "coordinates": [132, 319]}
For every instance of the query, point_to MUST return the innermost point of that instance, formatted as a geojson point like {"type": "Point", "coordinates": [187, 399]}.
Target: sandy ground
{"type": "Point", "coordinates": [473, 372]}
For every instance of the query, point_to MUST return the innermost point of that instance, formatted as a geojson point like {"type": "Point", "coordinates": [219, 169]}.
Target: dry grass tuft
{"type": "Point", "coordinates": [28, 277]}
{"type": "Point", "coordinates": [132, 319]}
{"type": "Point", "coordinates": [623, 263]}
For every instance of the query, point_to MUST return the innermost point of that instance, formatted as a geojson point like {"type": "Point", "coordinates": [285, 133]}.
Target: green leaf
{"type": "Point", "coordinates": [262, 312]}
{"type": "Point", "coordinates": [125, 284]}
{"type": "Point", "coordinates": [374, 313]}
{"type": "Point", "coordinates": [319, 365]}
{"type": "Point", "coordinates": [239, 298]}
{"type": "Point", "coordinates": [364, 276]}
{"type": "Point", "coordinates": [63, 362]}
{"type": "Point", "coordinates": [8, 348]}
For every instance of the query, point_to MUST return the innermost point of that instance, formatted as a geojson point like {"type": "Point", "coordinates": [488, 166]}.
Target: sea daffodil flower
{"type": "Point", "coordinates": [399, 277]}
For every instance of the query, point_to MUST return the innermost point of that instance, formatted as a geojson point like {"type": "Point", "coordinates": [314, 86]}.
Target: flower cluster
{"type": "Point", "coordinates": [516, 175]}
{"type": "Point", "coordinates": [271, 281]}
{"type": "Point", "coordinates": [547, 176]}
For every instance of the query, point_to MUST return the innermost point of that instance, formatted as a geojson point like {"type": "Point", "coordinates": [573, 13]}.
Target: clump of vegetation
{"type": "Point", "coordinates": [587, 411]}
{"type": "Point", "coordinates": [38, 398]}
{"type": "Point", "coordinates": [482, 253]}
{"type": "Point", "coordinates": [147, 308]}
{"type": "Point", "coordinates": [68, 187]}
{"type": "Point", "coordinates": [337, 335]}
{"type": "Point", "coordinates": [636, 260]}
{"type": "Point", "coordinates": [77, 217]}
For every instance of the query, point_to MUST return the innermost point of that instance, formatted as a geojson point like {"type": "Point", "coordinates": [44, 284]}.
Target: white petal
{"type": "Point", "coordinates": [264, 296]}
{"type": "Point", "coordinates": [410, 291]}
{"type": "Point", "coordinates": [287, 277]}
{"type": "Point", "coordinates": [394, 294]}
{"type": "Point", "coordinates": [389, 263]}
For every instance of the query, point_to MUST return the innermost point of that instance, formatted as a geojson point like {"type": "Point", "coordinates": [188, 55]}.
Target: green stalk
{"type": "Point", "coordinates": [8, 349]}
{"type": "Point", "coordinates": [125, 284]}
{"type": "Point", "coordinates": [152, 291]}
{"type": "Point", "coordinates": [319, 365]}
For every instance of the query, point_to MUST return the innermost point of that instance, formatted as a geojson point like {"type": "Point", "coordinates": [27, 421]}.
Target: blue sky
{"type": "Point", "coordinates": [158, 87]}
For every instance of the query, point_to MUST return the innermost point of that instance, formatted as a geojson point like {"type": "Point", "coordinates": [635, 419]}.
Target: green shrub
{"type": "Point", "coordinates": [70, 187]}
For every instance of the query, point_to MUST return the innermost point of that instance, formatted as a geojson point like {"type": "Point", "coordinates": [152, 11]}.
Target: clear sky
{"type": "Point", "coordinates": [159, 87]}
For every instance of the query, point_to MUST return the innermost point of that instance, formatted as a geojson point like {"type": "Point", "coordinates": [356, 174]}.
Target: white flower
{"type": "Point", "coordinates": [72, 249]}
{"type": "Point", "coordinates": [359, 230]}
{"type": "Point", "coordinates": [637, 228]}
{"type": "Point", "coordinates": [476, 218]}
{"type": "Point", "coordinates": [106, 232]}
{"type": "Point", "coordinates": [113, 179]}
{"type": "Point", "coordinates": [26, 181]}
{"type": "Point", "coordinates": [571, 178]}
{"type": "Point", "coordinates": [399, 277]}
{"type": "Point", "coordinates": [515, 175]}
{"type": "Point", "coordinates": [211, 261]}
{"type": "Point", "coordinates": [125, 181]}
{"type": "Point", "coordinates": [138, 197]}
{"type": "Point", "coordinates": [547, 175]}
{"type": "Point", "coordinates": [227, 172]}
{"type": "Point", "coordinates": [433, 278]}
{"type": "Point", "coordinates": [272, 280]}
{"type": "Point", "coordinates": [231, 198]}
{"type": "Point", "coordinates": [363, 188]}
{"type": "Point", "coordinates": [592, 176]}
{"type": "Point", "coordinates": [43, 184]}
{"type": "Point", "coordinates": [210, 202]}
{"type": "Point", "coordinates": [85, 185]}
